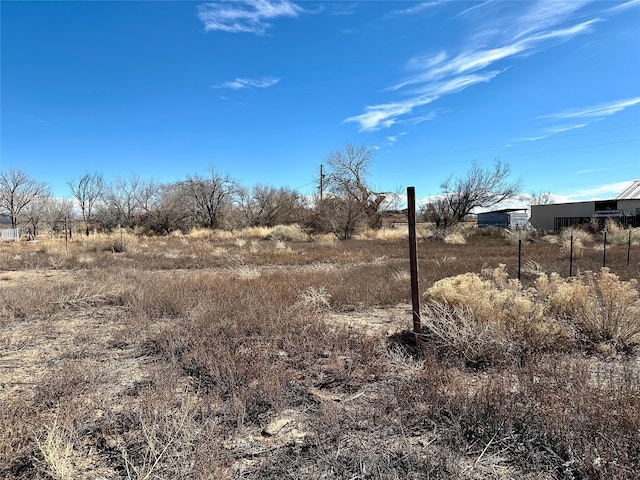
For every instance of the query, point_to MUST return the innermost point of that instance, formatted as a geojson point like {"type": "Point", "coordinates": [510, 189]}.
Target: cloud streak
{"type": "Point", "coordinates": [596, 111]}
{"type": "Point", "coordinates": [433, 76]}
{"type": "Point", "coordinates": [241, 83]}
{"type": "Point", "coordinates": [250, 16]}
{"type": "Point", "coordinates": [610, 190]}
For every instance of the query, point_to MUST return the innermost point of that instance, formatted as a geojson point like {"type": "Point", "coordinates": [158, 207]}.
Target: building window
{"type": "Point", "coordinates": [606, 205]}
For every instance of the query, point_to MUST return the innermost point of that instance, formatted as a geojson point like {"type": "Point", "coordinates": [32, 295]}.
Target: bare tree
{"type": "Point", "coordinates": [149, 194]}
{"type": "Point", "coordinates": [34, 213]}
{"type": "Point", "coordinates": [165, 208]}
{"type": "Point", "coordinates": [350, 202]}
{"type": "Point", "coordinates": [541, 198]}
{"type": "Point", "coordinates": [266, 206]}
{"type": "Point", "coordinates": [477, 188]}
{"type": "Point", "coordinates": [56, 212]}
{"type": "Point", "coordinates": [122, 199]}
{"type": "Point", "coordinates": [87, 191]}
{"type": "Point", "coordinates": [208, 196]}
{"type": "Point", "coordinates": [17, 191]}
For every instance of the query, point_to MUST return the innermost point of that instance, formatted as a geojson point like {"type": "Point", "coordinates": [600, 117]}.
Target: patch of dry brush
{"type": "Point", "coordinates": [219, 356]}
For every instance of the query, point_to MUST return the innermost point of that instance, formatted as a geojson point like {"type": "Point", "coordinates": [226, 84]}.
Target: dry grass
{"type": "Point", "coordinates": [215, 355]}
{"type": "Point", "coordinates": [578, 234]}
{"type": "Point", "coordinates": [617, 235]}
{"type": "Point", "coordinates": [578, 248]}
{"type": "Point", "coordinates": [455, 238]}
{"type": "Point", "coordinates": [601, 307]}
{"type": "Point", "coordinates": [385, 235]}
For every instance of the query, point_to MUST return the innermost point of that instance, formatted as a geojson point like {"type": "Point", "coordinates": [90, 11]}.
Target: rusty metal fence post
{"type": "Point", "coordinates": [413, 261]}
{"type": "Point", "coordinates": [571, 254]}
{"type": "Point", "coordinates": [629, 247]}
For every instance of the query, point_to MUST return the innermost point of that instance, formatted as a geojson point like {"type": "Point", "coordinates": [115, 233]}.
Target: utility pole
{"type": "Point", "coordinates": [321, 180]}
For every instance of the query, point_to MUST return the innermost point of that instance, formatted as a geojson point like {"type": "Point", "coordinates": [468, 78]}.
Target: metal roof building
{"type": "Point", "coordinates": [632, 192]}
{"type": "Point", "coordinates": [625, 208]}
{"type": "Point", "coordinates": [511, 218]}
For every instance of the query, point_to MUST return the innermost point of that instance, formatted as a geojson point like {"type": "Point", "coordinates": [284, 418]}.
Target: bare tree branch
{"type": "Point", "coordinates": [17, 191]}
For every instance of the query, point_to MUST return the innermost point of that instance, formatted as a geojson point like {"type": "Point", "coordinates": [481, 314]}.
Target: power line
{"type": "Point", "coordinates": [551, 137]}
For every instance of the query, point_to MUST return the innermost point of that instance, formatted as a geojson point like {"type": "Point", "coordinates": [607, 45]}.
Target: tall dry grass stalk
{"type": "Point", "coordinates": [56, 449]}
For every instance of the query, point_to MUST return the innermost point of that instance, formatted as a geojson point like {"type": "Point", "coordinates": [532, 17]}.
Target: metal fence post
{"type": "Point", "coordinates": [629, 247]}
{"type": "Point", "coordinates": [413, 260]}
{"type": "Point", "coordinates": [519, 252]}
{"type": "Point", "coordinates": [571, 255]}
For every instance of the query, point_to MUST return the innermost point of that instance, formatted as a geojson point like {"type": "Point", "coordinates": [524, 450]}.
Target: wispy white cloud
{"type": "Point", "coordinates": [391, 139]}
{"type": "Point", "coordinates": [543, 15]}
{"type": "Point", "coordinates": [251, 16]}
{"type": "Point", "coordinates": [240, 83]}
{"type": "Point", "coordinates": [600, 192]}
{"type": "Point", "coordinates": [550, 131]}
{"type": "Point", "coordinates": [385, 115]}
{"type": "Point", "coordinates": [565, 128]}
{"type": "Point", "coordinates": [539, 26]}
{"type": "Point", "coordinates": [624, 6]}
{"type": "Point", "coordinates": [586, 116]}
{"type": "Point", "coordinates": [417, 8]}
{"type": "Point", "coordinates": [341, 9]}
{"type": "Point", "coordinates": [475, 7]}
{"type": "Point", "coordinates": [596, 111]}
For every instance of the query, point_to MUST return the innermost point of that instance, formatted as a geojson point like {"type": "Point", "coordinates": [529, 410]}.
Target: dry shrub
{"type": "Point", "coordinates": [513, 236]}
{"type": "Point", "coordinates": [617, 235]}
{"type": "Point", "coordinates": [287, 233]}
{"type": "Point", "coordinates": [317, 298]}
{"type": "Point", "coordinates": [201, 234]}
{"type": "Point", "coordinates": [383, 234]}
{"type": "Point", "coordinates": [578, 248]}
{"type": "Point", "coordinates": [455, 238]}
{"type": "Point", "coordinates": [602, 308]}
{"type": "Point", "coordinates": [254, 232]}
{"type": "Point", "coordinates": [102, 242]}
{"type": "Point", "coordinates": [490, 320]}
{"type": "Point", "coordinates": [156, 295]}
{"type": "Point", "coordinates": [578, 234]}
{"type": "Point", "coordinates": [425, 230]}
{"type": "Point", "coordinates": [18, 418]}
{"type": "Point", "coordinates": [220, 234]}
{"type": "Point", "coordinates": [168, 438]}
{"type": "Point", "coordinates": [326, 240]}
{"type": "Point", "coordinates": [491, 231]}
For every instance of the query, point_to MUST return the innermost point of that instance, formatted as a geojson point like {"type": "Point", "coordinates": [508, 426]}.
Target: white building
{"type": "Point", "coordinates": [625, 208]}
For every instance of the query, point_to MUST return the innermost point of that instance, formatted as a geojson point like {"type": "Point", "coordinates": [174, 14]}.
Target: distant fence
{"type": "Point", "coordinates": [10, 234]}
{"type": "Point", "coordinates": [565, 222]}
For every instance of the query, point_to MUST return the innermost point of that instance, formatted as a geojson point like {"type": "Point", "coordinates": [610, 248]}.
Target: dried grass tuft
{"type": "Point", "coordinates": [455, 238]}
{"type": "Point", "coordinates": [601, 306]}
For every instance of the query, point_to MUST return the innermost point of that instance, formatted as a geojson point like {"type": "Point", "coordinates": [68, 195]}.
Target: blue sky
{"type": "Point", "coordinates": [264, 90]}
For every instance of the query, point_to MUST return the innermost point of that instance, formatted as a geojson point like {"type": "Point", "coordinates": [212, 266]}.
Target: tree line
{"type": "Point", "coordinates": [344, 203]}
